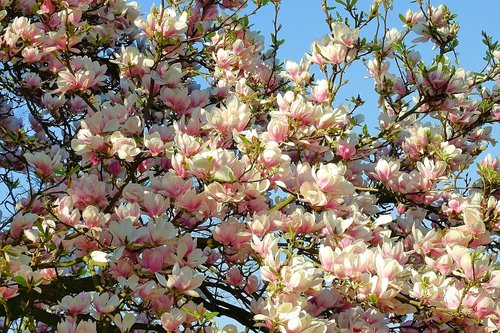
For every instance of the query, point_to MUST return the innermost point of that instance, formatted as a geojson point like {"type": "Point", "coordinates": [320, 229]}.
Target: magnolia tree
{"type": "Point", "coordinates": [166, 172]}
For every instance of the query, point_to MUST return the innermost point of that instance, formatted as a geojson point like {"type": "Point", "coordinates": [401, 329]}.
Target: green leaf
{"type": "Point", "coordinates": [200, 28]}
{"type": "Point", "coordinates": [73, 171]}
{"type": "Point", "coordinates": [244, 21]}
{"type": "Point", "coordinates": [12, 183]}
{"type": "Point", "coordinates": [211, 315]}
{"type": "Point", "coordinates": [341, 3]}
{"type": "Point", "coordinates": [189, 312]}
{"type": "Point", "coordinates": [365, 130]}
{"type": "Point", "coordinates": [21, 281]}
{"type": "Point", "coordinates": [351, 3]}
{"type": "Point", "coordinates": [245, 140]}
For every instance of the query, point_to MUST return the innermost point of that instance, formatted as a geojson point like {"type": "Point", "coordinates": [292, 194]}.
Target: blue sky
{"type": "Point", "coordinates": [303, 22]}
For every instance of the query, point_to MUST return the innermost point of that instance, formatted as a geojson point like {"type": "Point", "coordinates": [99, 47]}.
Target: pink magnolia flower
{"type": "Point", "coordinates": [260, 225]}
{"type": "Point", "coordinates": [31, 54]}
{"type": "Point", "coordinates": [319, 92]}
{"type": "Point", "coordinates": [32, 80]}
{"type": "Point", "coordinates": [232, 116]}
{"type": "Point", "coordinates": [385, 170]}
{"type": "Point", "coordinates": [76, 305]}
{"type": "Point", "coordinates": [452, 297]}
{"type": "Point", "coordinates": [121, 268]}
{"type": "Point", "coordinates": [105, 303]}
{"type": "Point", "coordinates": [94, 218]}
{"type": "Point", "coordinates": [186, 144]}
{"type": "Point", "coordinates": [160, 231]}
{"type": "Point", "coordinates": [388, 268]}
{"type": "Point", "coordinates": [330, 179]}
{"type": "Point", "coordinates": [484, 306]}
{"type": "Point", "coordinates": [298, 73]}
{"type": "Point", "coordinates": [176, 99]}
{"type": "Point", "coordinates": [124, 323]}
{"type": "Point", "coordinates": [8, 292]}
{"type": "Point", "coordinates": [84, 74]}
{"type": "Point", "coordinates": [155, 204]}
{"type": "Point", "coordinates": [66, 211]}
{"type": "Point", "coordinates": [154, 143]}
{"type": "Point", "coordinates": [272, 155]}
{"type": "Point", "coordinates": [300, 275]}
{"type": "Point", "coordinates": [125, 148]}
{"type": "Point", "coordinates": [346, 149]}
{"type": "Point", "coordinates": [344, 35]}
{"type": "Point", "coordinates": [269, 245]}
{"type": "Point", "coordinates": [53, 102]}
{"type": "Point", "coordinates": [151, 260]}
{"type": "Point", "coordinates": [234, 276]}
{"type": "Point", "coordinates": [173, 319]}
{"type": "Point", "coordinates": [473, 220]}
{"type": "Point", "coordinates": [191, 201]}
{"type": "Point", "coordinates": [22, 222]}
{"type": "Point", "coordinates": [171, 185]}
{"type": "Point", "coordinates": [133, 62]}
{"type": "Point", "coordinates": [332, 53]}
{"type": "Point", "coordinates": [278, 129]}
{"type": "Point", "coordinates": [183, 280]}
{"type": "Point", "coordinates": [168, 24]}
{"type": "Point", "coordinates": [125, 231]}
{"type": "Point", "coordinates": [88, 190]}
{"type": "Point", "coordinates": [231, 232]}
{"type": "Point", "coordinates": [252, 284]}
{"type": "Point", "coordinates": [67, 326]}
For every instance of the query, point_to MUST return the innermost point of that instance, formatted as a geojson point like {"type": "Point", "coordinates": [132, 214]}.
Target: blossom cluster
{"type": "Point", "coordinates": [166, 170]}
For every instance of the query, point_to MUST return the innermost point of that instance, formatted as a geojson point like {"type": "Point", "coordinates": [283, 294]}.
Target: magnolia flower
{"type": "Point", "coordinates": [300, 275]}
{"type": "Point", "coordinates": [124, 323]}
{"type": "Point", "coordinates": [232, 116]}
{"type": "Point", "coordinates": [22, 221]}
{"type": "Point", "coordinates": [31, 54]}
{"type": "Point", "coordinates": [173, 319]}
{"type": "Point", "coordinates": [132, 61]}
{"type": "Point", "coordinates": [84, 74]}
{"type": "Point", "coordinates": [473, 220]}
{"type": "Point", "coordinates": [125, 232]}
{"type": "Point", "coordinates": [76, 305]}
{"type": "Point", "coordinates": [183, 280]}
{"type": "Point", "coordinates": [100, 257]}
{"type": "Point", "coordinates": [151, 260]}
{"type": "Point", "coordinates": [197, 170]}
{"type": "Point", "coordinates": [329, 178]}
{"type": "Point", "coordinates": [155, 204]}
{"type": "Point", "coordinates": [7, 293]}
{"type": "Point", "coordinates": [160, 231]}
{"type": "Point", "coordinates": [344, 35]}
{"type": "Point", "coordinates": [105, 303]}
{"type": "Point", "coordinates": [319, 92]}
{"type": "Point", "coordinates": [385, 170]}
{"type": "Point", "coordinates": [125, 148]}
{"type": "Point", "coordinates": [94, 218]}
{"type": "Point", "coordinates": [154, 143]}
{"type": "Point", "coordinates": [331, 53]}
{"type": "Point", "coordinates": [87, 191]}
{"type": "Point", "coordinates": [311, 193]}
{"type": "Point", "coordinates": [168, 24]}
